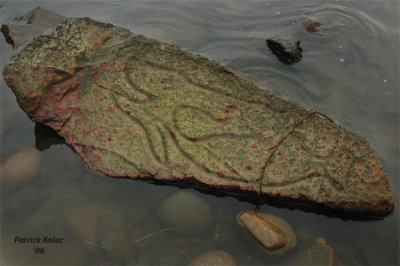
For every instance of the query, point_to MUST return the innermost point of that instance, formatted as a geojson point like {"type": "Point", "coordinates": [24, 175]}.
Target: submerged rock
{"type": "Point", "coordinates": [83, 223]}
{"type": "Point", "coordinates": [186, 212]}
{"type": "Point", "coordinates": [272, 232]}
{"type": "Point", "coordinates": [21, 166]}
{"type": "Point", "coordinates": [286, 48]}
{"type": "Point", "coordinates": [312, 25]}
{"type": "Point", "coordinates": [318, 254]}
{"type": "Point", "coordinates": [134, 107]}
{"type": "Point", "coordinates": [213, 258]}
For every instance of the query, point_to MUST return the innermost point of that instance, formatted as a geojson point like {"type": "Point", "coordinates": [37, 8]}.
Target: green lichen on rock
{"type": "Point", "coordinates": [135, 107]}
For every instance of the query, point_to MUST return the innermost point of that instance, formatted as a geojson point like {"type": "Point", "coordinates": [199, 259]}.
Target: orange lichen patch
{"type": "Point", "coordinates": [79, 122]}
{"type": "Point", "coordinates": [86, 132]}
{"type": "Point", "coordinates": [98, 134]}
{"type": "Point", "coordinates": [108, 65]}
{"type": "Point", "coordinates": [112, 108]}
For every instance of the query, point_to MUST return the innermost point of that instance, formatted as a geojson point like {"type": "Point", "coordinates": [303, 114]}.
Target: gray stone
{"type": "Point", "coordinates": [286, 48]}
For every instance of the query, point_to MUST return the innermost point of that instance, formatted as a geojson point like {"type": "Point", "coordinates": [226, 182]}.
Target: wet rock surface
{"type": "Point", "coordinates": [272, 232]}
{"type": "Point", "coordinates": [286, 48]}
{"type": "Point", "coordinates": [186, 212]}
{"type": "Point", "coordinates": [21, 166]}
{"type": "Point", "coordinates": [215, 257]}
{"type": "Point", "coordinates": [312, 25]}
{"type": "Point", "coordinates": [134, 107]}
{"type": "Point", "coordinates": [22, 31]}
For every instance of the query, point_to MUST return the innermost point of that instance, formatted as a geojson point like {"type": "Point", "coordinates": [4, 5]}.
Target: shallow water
{"type": "Point", "coordinates": [351, 73]}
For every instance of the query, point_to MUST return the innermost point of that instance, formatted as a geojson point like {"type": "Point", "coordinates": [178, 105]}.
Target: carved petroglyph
{"type": "Point", "coordinates": [135, 107]}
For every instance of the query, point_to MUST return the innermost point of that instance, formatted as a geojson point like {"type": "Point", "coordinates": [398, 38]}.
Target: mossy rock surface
{"type": "Point", "coordinates": [135, 107]}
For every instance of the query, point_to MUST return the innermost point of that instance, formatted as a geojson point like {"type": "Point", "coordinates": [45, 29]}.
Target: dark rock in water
{"type": "Point", "coordinates": [213, 258]}
{"type": "Point", "coordinates": [272, 232]}
{"type": "Point", "coordinates": [312, 25]}
{"type": "Point", "coordinates": [24, 29]}
{"type": "Point", "coordinates": [286, 48]}
{"type": "Point", "coordinates": [135, 107]}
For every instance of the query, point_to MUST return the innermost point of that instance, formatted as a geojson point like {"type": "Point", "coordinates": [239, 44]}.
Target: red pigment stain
{"type": "Point", "coordinates": [114, 131]}
{"type": "Point", "coordinates": [230, 141]}
{"type": "Point", "coordinates": [107, 65]}
{"type": "Point", "coordinates": [95, 158]}
{"type": "Point", "coordinates": [108, 139]}
{"type": "Point", "coordinates": [263, 166]}
{"type": "Point", "coordinates": [75, 107]}
{"type": "Point", "coordinates": [247, 101]}
{"type": "Point", "coordinates": [221, 173]}
{"type": "Point", "coordinates": [98, 85]}
{"type": "Point", "coordinates": [54, 48]}
{"type": "Point", "coordinates": [79, 122]}
{"type": "Point", "coordinates": [98, 45]}
{"type": "Point", "coordinates": [248, 168]}
{"type": "Point", "coordinates": [96, 75]}
{"type": "Point", "coordinates": [112, 108]}
{"type": "Point", "coordinates": [222, 71]}
{"type": "Point", "coordinates": [131, 129]}
{"type": "Point", "coordinates": [230, 107]}
{"type": "Point", "coordinates": [125, 66]}
{"type": "Point", "coordinates": [265, 139]}
{"type": "Point", "coordinates": [223, 119]}
{"type": "Point", "coordinates": [271, 147]}
{"type": "Point", "coordinates": [193, 139]}
{"type": "Point", "coordinates": [131, 70]}
{"type": "Point", "coordinates": [172, 134]}
{"type": "Point", "coordinates": [303, 148]}
{"type": "Point", "coordinates": [210, 82]}
{"type": "Point", "coordinates": [255, 145]}
{"type": "Point", "coordinates": [98, 134]}
{"type": "Point", "coordinates": [117, 93]}
{"type": "Point", "coordinates": [86, 132]}
{"type": "Point", "coordinates": [227, 94]}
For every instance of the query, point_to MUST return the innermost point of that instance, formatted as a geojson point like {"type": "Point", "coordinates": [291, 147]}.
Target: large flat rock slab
{"type": "Point", "coordinates": [135, 107]}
